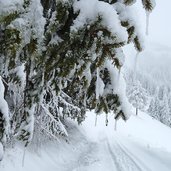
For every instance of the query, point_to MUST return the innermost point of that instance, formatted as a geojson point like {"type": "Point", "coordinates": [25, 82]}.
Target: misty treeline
{"type": "Point", "coordinates": [157, 94]}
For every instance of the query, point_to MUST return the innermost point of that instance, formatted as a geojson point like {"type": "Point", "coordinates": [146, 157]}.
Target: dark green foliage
{"type": "Point", "coordinates": [148, 5]}
{"type": "Point", "coordinates": [137, 44]}
{"type": "Point", "coordinates": [60, 66]}
{"type": "Point", "coordinates": [129, 2]}
{"type": "Point", "coordinates": [2, 122]}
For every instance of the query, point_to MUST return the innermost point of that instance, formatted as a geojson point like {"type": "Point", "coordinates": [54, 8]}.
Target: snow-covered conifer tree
{"type": "Point", "coordinates": [169, 101]}
{"type": "Point", "coordinates": [137, 96]}
{"type": "Point", "coordinates": [61, 58]}
{"type": "Point", "coordinates": [159, 107]}
{"type": "Point", "coordinates": [154, 107]}
{"type": "Point", "coordinates": [164, 110]}
{"type": "Point", "coordinates": [22, 33]}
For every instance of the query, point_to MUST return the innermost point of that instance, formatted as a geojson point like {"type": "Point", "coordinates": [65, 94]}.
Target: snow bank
{"type": "Point", "coordinates": [1, 151]}
{"type": "Point", "coordinates": [141, 141]}
{"type": "Point", "coordinates": [4, 112]}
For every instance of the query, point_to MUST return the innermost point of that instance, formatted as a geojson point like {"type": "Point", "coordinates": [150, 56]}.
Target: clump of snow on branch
{"type": "Point", "coordinates": [128, 13]}
{"type": "Point", "coordinates": [119, 88]}
{"type": "Point", "coordinates": [8, 6]}
{"type": "Point", "coordinates": [30, 24]}
{"type": "Point", "coordinates": [4, 114]}
{"type": "Point", "coordinates": [89, 13]}
{"type": "Point", "coordinates": [99, 85]}
{"type": "Point", "coordinates": [21, 74]}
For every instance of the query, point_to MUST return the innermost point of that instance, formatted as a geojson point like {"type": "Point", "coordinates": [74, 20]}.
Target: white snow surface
{"type": "Point", "coordinates": [10, 6]}
{"type": "Point", "coordinates": [4, 110]}
{"type": "Point", "coordinates": [99, 85]}
{"type": "Point", "coordinates": [1, 151]}
{"type": "Point", "coordinates": [119, 87]}
{"type": "Point", "coordinates": [140, 144]}
{"type": "Point", "coordinates": [21, 74]}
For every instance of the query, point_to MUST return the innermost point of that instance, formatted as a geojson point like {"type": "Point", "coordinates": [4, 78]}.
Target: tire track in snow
{"type": "Point", "coordinates": [113, 156]}
{"type": "Point", "coordinates": [122, 160]}
{"type": "Point", "coordinates": [137, 159]}
{"type": "Point", "coordinates": [131, 155]}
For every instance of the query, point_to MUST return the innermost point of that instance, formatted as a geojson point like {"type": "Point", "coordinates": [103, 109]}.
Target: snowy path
{"type": "Point", "coordinates": [124, 162]}
{"type": "Point", "coordinates": [119, 151]}
{"type": "Point", "coordinates": [100, 148]}
{"type": "Point", "coordinates": [148, 158]}
{"type": "Point", "coordinates": [117, 155]}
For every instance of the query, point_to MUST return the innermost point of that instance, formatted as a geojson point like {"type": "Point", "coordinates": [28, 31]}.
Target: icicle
{"type": "Point", "coordinates": [147, 22]}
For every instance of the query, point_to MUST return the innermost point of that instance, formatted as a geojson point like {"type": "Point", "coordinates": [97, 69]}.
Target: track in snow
{"type": "Point", "coordinates": [114, 155]}
{"type": "Point", "coordinates": [122, 160]}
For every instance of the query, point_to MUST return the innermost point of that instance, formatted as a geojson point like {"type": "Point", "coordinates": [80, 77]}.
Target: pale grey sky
{"type": "Point", "coordinates": [160, 23]}
{"type": "Point", "coordinates": [155, 60]}
{"type": "Point", "coordinates": [158, 44]}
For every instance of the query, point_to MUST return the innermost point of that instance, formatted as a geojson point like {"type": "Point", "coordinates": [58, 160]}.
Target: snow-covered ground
{"type": "Point", "coordinates": [140, 144]}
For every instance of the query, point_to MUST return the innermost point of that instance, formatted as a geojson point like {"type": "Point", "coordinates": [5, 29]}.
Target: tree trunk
{"type": "Point", "coordinates": [115, 124]}
{"type": "Point", "coordinates": [96, 120]}
{"type": "Point", "coordinates": [106, 121]}
{"type": "Point", "coordinates": [136, 111]}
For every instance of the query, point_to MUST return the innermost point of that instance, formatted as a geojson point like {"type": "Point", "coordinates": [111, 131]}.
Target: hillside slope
{"type": "Point", "coordinates": [140, 144]}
